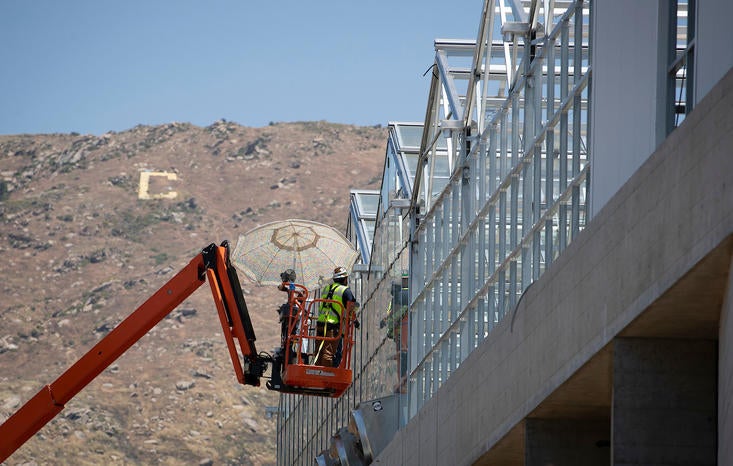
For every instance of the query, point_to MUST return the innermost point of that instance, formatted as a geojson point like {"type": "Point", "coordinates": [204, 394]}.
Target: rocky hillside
{"type": "Point", "coordinates": [86, 235]}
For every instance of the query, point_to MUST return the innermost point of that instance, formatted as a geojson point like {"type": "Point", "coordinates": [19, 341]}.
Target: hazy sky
{"type": "Point", "coordinates": [92, 66]}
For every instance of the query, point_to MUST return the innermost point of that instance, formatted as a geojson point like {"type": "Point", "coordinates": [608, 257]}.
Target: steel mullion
{"type": "Point", "coordinates": [446, 206]}
{"type": "Point", "coordinates": [525, 259]}
{"type": "Point", "coordinates": [444, 355]}
{"type": "Point", "coordinates": [439, 302]}
{"type": "Point", "coordinates": [513, 236]}
{"type": "Point", "coordinates": [421, 318]}
{"type": "Point", "coordinates": [452, 95]}
{"type": "Point", "coordinates": [563, 156]}
{"type": "Point", "coordinates": [490, 158]}
{"type": "Point", "coordinates": [502, 251]}
{"type": "Point", "coordinates": [514, 198]}
{"type": "Point", "coordinates": [429, 250]}
{"type": "Point", "coordinates": [527, 179]}
{"type": "Point", "coordinates": [550, 149]}
{"type": "Point", "coordinates": [491, 297]}
{"type": "Point", "coordinates": [537, 181]}
{"type": "Point", "coordinates": [577, 69]}
{"type": "Point", "coordinates": [455, 212]}
{"type": "Point", "coordinates": [515, 132]}
{"type": "Point", "coordinates": [439, 240]}
{"type": "Point", "coordinates": [453, 279]}
{"type": "Point", "coordinates": [421, 389]}
{"type": "Point", "coordinates": [468, 336]}
{"type": "Point", "coordinates": [431, 373]}
{"type": "Point", "coordinates": [450, 308]}
{"type": "Point", "coordinates": [468, 200]}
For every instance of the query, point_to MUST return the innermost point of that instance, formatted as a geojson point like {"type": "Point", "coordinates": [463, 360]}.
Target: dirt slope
{"type": "Point", "coordinates": [80, 250]}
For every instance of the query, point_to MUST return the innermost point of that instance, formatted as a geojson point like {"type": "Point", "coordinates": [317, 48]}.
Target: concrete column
{"type": "Point", "coordinates": [664, 402]}
{"type": "Point", "coordinates": [725, 377]}
{"type": "Point", "coordinates": [567, 442]}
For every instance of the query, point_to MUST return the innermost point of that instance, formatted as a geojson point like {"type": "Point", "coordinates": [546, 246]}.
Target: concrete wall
{"type": "Point", "coordinates": [664, 401]}
{"type": "Point", "coordinates": [713, 49]}
{"type": "Point", "coordinates": [626, 49]}
{"type": "Point", "coordinates": [725, 377]}
{"type": "Point", "coordinates": [671, 214]}
{"type": "Point", "coordinates": [629, 71]}
{"type": "Point", "coordinates": [567, 442]}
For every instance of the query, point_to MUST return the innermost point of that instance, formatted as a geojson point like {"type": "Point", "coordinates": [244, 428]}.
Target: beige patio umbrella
{"type": "Point", "coordinates": [312, 249]}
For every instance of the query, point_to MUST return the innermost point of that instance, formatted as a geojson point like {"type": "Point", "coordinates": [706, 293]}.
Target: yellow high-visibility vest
{"type": "Point", "coordinates": [330, 312]}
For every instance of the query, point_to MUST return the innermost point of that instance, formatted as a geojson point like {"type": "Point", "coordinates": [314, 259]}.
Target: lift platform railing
{"type": "Point", "coordinates": [300, 374]}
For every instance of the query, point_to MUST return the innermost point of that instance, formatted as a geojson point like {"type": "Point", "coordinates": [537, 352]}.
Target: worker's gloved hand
{"type": "Point", "coordinates": [356, 323]}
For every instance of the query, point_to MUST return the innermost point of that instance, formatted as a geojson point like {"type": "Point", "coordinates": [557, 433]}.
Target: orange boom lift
{"type": "Point", "coordinates": [290, 372]}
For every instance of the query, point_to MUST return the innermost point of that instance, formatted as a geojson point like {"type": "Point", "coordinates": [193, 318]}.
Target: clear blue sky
{"type": "Point", "coordinates": [92, 66]}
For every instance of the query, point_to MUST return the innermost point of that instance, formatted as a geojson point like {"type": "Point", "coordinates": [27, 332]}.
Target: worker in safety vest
{"type": "Point", "coordinates": [329, 317]}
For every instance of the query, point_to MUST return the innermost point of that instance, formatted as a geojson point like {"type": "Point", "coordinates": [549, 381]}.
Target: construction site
{"type": "Point", "coordinates": [542, 276]}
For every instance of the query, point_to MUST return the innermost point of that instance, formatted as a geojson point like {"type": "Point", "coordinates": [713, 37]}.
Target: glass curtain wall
{"type": "Point", "coordinates": [475, 204]}
{"type": "Point", "coordinates": [515, 123]}
{"type": "Point", "coordinates": [306, 423]}
{"type": "Point", "coordinates": [681, 61]}
{"type": "Point", "coordinates": [378, 227]}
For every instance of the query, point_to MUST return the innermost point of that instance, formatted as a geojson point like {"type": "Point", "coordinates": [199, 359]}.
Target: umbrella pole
{"type": "Point", "coordinates": [320, 347]}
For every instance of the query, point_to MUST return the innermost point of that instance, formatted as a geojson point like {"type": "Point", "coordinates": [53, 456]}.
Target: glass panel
{"type": "Point", "coordinates": [409, 137]}
{"type": "Point", "coordinates": [411, 159]}
{"type": "Point", "coordinates": [369, 227]}
{"type": "Point", "coordinates": [442, 164]}
{"type": "Point", "coordinates": [368, 203]}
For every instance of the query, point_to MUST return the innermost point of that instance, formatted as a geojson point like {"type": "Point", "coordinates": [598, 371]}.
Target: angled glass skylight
{"type": "Point", "coordinates": [362, 214]}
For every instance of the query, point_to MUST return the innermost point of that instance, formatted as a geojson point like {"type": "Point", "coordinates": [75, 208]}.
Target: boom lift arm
{"type": "Point", "coordinates": [212, 264]}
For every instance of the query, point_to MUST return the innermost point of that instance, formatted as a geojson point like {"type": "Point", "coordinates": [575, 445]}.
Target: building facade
{"type": "Point", "coordinates": [533, 132]}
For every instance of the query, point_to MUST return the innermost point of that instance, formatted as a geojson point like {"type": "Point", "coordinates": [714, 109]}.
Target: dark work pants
{"type": "Point", "coordinates": [325, 349]}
